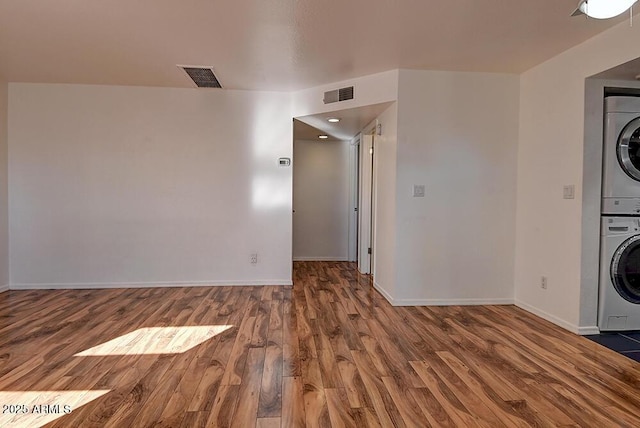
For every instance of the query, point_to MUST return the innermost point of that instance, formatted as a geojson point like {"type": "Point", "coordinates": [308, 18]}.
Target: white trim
{"type": "Point", "coordinates": [353, 198]}
{"type": "Point", "coordinates": [158, 284]}
{"type": "Point", "coordinates": [440, 302]}
{"type": "Point", "coordinates": [4, 288]}
{"type": "Point", "coordinates": [320, 259]}
{"type": "Point", "coordinates": [583, 331]}
{"type": "Point", "coordinates": [557, 321]}
{"type": "Point", "coordinates": [384, 293]}
{"type": "Point", "coordinates": [452, 302]}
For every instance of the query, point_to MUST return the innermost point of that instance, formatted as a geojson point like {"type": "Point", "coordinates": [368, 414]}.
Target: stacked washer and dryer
{"type": "Point", "coordinates": [619, 291]}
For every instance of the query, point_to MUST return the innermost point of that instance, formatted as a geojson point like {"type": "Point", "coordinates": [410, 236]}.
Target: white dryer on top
{"type": "Point", "coordinates": [621, 166]}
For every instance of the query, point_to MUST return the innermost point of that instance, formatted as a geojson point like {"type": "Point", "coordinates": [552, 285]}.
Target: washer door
{"type": "Point", "coordinates": [625, 270]}
{"type": "Point", "coordinates": [628, 149]}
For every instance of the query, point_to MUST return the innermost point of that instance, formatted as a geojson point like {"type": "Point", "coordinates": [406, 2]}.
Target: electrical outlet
{"type": "Point", "coordinates": [543, 282]}
{"type": "Point", "coordinates": [254, 258]}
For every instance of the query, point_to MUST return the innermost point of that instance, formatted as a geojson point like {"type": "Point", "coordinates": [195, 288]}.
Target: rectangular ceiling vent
{"type": "Point", "coordinates": [342, 94]}
{"type": "Point", "coordinates": [203, 77]}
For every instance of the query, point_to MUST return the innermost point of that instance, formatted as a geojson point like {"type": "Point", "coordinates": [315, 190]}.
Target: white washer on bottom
{"type": "Point", "coordinates": [619, 303]}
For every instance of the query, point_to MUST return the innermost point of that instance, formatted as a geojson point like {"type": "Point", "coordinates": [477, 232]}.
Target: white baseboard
{"type": "Point", "coordinates": [441, 302]}
{"type": "Point", "coordinates": [4, 288]}
{"type": "Point", "coordinates": [453, 302]}
{"type": "Point", "coordinates": [158, 284]}
{"type": "Point", "coordinates": [320, 259]}
{"type": "Point", "coordinates": [583, 331]}
{"type": "Point", "coordinates": [558, 321]}
{"type": "Point", "coordinates": [384, 292]}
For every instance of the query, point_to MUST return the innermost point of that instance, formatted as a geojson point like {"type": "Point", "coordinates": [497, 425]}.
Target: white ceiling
{"type": "Point", "coordinates": [303, 131]}
{"type": "Point", "coordinates": [277, 45]}
{"type": "Point", "coordinates": [352, 121]}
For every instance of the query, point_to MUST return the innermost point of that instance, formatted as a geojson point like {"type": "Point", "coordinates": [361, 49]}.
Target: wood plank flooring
{"type": "Point", "coordinates": [327, 352]}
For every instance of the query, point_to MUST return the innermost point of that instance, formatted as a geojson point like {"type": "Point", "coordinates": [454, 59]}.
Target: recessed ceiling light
{"type": "Point", "coordinates": [334, 119]}
{"type": "Point", "coordinates": [323, 137]}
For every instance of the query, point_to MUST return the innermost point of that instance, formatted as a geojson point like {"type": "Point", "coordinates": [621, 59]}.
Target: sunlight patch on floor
{"type": "Point", "coordinates": [31, 409]}
{"type": "Point", "coordinates": [156, 340]}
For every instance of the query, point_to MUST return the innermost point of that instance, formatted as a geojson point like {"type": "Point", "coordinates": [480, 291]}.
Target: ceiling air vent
{"type": "Point", "coordinates": [203, 77]}
{"type": "Point", "coordinates": [342, 94]}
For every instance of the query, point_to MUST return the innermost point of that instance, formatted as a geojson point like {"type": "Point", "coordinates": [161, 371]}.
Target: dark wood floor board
{"type": "Point", "coordinates": [347, 330]}
{"type": "Point", "coordinates": [405, 403]}
{"type": "Point", "coordinates": [246, 411]}
{"type": "Point", "coordinates": [431, 408]}
{"type": "Point", "coordinates": [467, 394]}
{"type": "Point", "coordinates": [223, 407]}
{"type": "Point", "coordinates": [315, 403]}
{"type": "Point", "coordinates": [382, 402]}
{"type": "Point", "coordinates": [610, 392]}
{"type": "Point", "coordinates": [327, 351]}
{"type": "Point", "coordinates": [340, 413]}
{"type": "Point", "coordinates": [354, 387]}
{"type": "Point", "coordinates": [290, 343]}
{"type": "Point", "coordinates": [446, 398]}
{"type": "Point", "coordinates": [194, 420]}
{"type": "Point", "coordinates": [137, 396]}
{"type": "Point", "coordinates": [306, 340]}
{"type": "Point", "coordinates": [120, 381]}
{"type": "Point", "coordinates": [395, 356]}
{"type": "Point", "coordinates": [239, 352]}
{"type": "Point", "coordinates": [259, 336]}
{"type": "Point", "coordinates": [270, 402]}
{"type": "Point", "coordinates": [485, 391]}
{"type": "Point", "coordinates": [396, 322]}
{"type": "Point", "coordinates": [293, 409]}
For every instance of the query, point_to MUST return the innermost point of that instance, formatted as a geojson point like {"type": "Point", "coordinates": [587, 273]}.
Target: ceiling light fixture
{"type": "Point", "coordinates": [603, 9]}
{"type": "Point", "coordinates": [334, 119]}
{"type": "Point", "coordinates": [323, 137]}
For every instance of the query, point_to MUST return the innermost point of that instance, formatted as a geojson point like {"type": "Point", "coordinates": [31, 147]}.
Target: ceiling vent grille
{"type": "Point", "coordinates": [342, 94]}
{"type": "Point", "coordinates": [203, 77]}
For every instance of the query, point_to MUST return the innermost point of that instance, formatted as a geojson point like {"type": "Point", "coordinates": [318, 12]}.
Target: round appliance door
{"type": "Point", "coordinates": [625, 270]}
{"type": "Point", "coordinates": [629, 149]}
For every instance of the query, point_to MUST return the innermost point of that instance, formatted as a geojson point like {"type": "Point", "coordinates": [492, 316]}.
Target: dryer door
{"type": "Point", "coordinates": [628, 149]}
{"type": "Point", "coordinates": [625, 270]}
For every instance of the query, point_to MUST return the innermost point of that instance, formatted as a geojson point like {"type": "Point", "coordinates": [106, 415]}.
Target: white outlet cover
{"type": "Point", "coordinates": [418, 190]}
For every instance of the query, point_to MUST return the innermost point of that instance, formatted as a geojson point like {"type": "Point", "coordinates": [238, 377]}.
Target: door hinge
{"type": "Point", "coordinates": [369, 250]}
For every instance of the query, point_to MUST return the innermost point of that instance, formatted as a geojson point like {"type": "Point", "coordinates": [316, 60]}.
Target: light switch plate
{"type": "Point", "coordinates": [418, 190]}
{"type": "Point", "coordinates": [569, 191]}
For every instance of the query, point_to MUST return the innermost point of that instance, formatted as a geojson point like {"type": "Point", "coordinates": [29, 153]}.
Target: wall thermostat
{"type": "Point", "coordinates": [284, 161]}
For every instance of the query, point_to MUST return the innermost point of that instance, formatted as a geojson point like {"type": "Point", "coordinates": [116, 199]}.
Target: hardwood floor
{"type": "Point", "coordinates": [329, 351]}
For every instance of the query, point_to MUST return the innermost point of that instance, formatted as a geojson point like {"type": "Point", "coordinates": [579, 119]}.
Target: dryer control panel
{"type": "Point", "coordinates": [612, 226]}
{"type": "Point", "coordinates": [615, 206]}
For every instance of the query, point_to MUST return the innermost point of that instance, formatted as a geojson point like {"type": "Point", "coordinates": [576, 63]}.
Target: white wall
{"type": "Point", "coordinates": [4, 210]}
{"type": "Point", "coordinates": [457, 136]}
{"type": "Point", "coordinates": [385, 177]}
{"type": "Point", "coordinates": [321, 173]}
{"type": "Point", "coordinates": [551, 153]}
{"type": "Point", "coordinates": [122, 185]}
{"type": "Point", "coordinates": [372, 89]}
